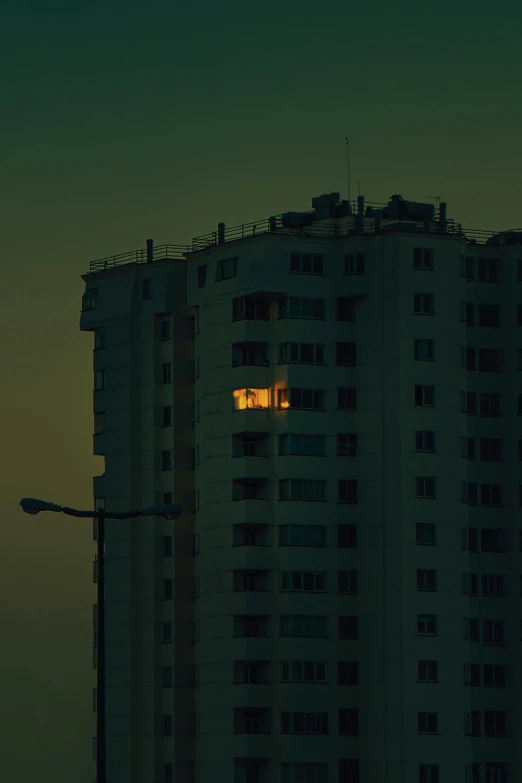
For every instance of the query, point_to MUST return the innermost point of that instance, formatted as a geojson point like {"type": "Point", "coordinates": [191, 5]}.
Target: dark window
{"type": "Point", "coordinates": [423, 350]}
{"type": "Point", "coordinates": [248, 308]}
{"type": "Point", "coordinates": [166, 372]}
{"type": "Point", "coordinates": [473, 727]}
{"type": "Point", "coordinates": [347, 491]}
{"type": "Point", "coordinates": [347, 398]}
{"type": "Point", "coordinates": [473, 773]}
{"type": "Point", "coordinates": [423, 304]}
{"type": "Point", "coordinates": [349, 771]}
{"type": "Point", "coordinates": [494, 724]}
{"type": "Point", "coordinates": [470, 585]}
{"type": "Point", "coordinates": [428, 773]}
{"type": "Point", "coordinates": [202, 275]}
{"type": "Point", "coordinates": [470, 539]}
{"type": "Point", "coordinates": [89, 299]}
{"type": "Point", "coordinates": [346, 354]}
{"type": "Point", "coordinates": [468, 357]}
{"type": "Point", "coordinates": [491, 495]}
{"type": "Point", "coordinates": [306, 264]}
{"type": "Point", "coordinates": [488, 315]}
{"type": "Point", "coordinates": [422, 258]}
{"type": "Point", "coordinates": [424, 396]}
{"type": "Point", "coordinates": [425, 533]}
{"type": "Point", "coordinates": [226, 269]}
{"type": "Point", "coordinates": [467, 447]}
{"type": "Point", "coordinates": [489, 404]}
{"type": "Point", "coordinates": [349, 722]}
{"type": "Point", "coordinates": [492, 586]}
{"type": "Point", "coordinates": [346, 445]}
{"type": "Point", "coordinates": [471, 629]}
{"type": "Point", "coordinates": [489, 450]}
{"type": "Point", "coordinates": [493, 632]}
{"type": "Point", "coordinates": [494, 675]}
{"type": "Point", "coordinates": [427, 671]}
{"type": "Point", "coordinates": [293, 307]}
{"type": "Point", "coordinates": [347, 581]}
{"type": "Point", "coordinates": [354, 264]}
{"type": "Point", "coordinates": [348, 627]}
{"type": "Point", "coordinates": [345, 308]}
{"type": "Point", "coordinates": [99, 338]}
{"type": "Point", "coordinates": [146, 289]}
{"type": "Point", "coordinates": [347, 673]}
{"type": "Point", "coordinates": [425, 487]}
{"type": "Point", "coordinates": [427, 624]}
{"type": "Point", "coordinates": [467, 312]}
{"type": "Point", "coordinates": [347, 536]}
{"type": "Point", "coordinates": [167, 416]}
{"type": "Point", "coordinates": [427, 722]}
{"type": "Point", "coordinates": [426, 579]}
{"type": "Point", "coordinates": [489, 360]}
{"type": "Point", "coordinates": [425, 440]}
{"type": "Point", "coordinates": [468, 403]}
{"type": "Point", "coordinates": [300, 353]}
{"type": "Point", "coordinates": [166, 333]}
{"type": "Point", "coordinates": [467, 267]}
{"type": "Point", "coordinates": [496, 772]}
{"type": "Point", "coordinates": [472, 674]}
{"type": "Point", "coordinates": [488, 270]}
{"type": "Point", "coordinates": [301, 399]}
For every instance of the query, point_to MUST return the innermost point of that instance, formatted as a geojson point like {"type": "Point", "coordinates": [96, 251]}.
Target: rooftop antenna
{"type": "Point", "coordinates": [348, 165]}
{"type": "Point", "coordinates": [358, 189]}
{"type": "Point", "coordinates": [435, 197]}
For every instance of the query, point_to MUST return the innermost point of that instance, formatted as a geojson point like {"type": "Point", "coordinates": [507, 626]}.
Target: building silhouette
{"type": "Point", "coordinates": [333, 397]}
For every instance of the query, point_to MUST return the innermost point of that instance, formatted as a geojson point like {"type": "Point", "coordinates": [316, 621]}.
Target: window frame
{"type": "Point", "coordinates": [222, 271]}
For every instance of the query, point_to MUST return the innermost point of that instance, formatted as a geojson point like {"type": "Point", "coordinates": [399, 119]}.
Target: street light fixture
{"type": "Point", "coordinates": [167, 511]}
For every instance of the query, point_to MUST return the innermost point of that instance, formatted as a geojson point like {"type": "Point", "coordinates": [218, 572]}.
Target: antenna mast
{"type": "Point", "coordinates": [435, 197]}
{"type": "Point", "coordinates": [348, 166]}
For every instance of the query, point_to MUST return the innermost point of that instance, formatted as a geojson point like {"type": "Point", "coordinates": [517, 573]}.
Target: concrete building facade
{"type": "Point", "coordinates": [332, 396]}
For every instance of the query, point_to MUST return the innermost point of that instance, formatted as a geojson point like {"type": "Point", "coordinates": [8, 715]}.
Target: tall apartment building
{"type": "Point", "coordinates": [333, 397]}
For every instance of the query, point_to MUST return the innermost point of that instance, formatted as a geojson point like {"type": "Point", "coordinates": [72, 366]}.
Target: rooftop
{"type": "Point", "coordinates": [329, 219]}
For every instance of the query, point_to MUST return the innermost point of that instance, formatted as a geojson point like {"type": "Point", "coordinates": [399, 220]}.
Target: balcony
{"type": "Point", "coordinates": [250, 535]}
{"type": "Point", "coordinates": [251, 626]}
{"type": "Point", "coordinates": [250, 489]}
{"type": "Point", "coordinates": [250, 469]}
{"type": "Point", "coordinates": [251, 672]}
{"type": "Point", "coordinates": [251, 720]}
{"type": "Point", "coordinates": [250, 354]}
{"type": "Point", "coordinates": [251, 580]}
{"type": "Point", "coordinates": [251, 408]}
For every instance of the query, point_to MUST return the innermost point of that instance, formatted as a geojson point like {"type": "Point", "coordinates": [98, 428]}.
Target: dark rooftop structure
{"type": "Point", "coordinates": [329, 218]}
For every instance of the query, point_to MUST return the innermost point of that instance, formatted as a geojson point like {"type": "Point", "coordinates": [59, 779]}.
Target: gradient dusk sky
{"type": "Point", "coordinates": [122, 121]}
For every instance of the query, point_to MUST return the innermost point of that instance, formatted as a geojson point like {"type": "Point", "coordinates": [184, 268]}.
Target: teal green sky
{"type": "Point", "coordinates": [126, 121]}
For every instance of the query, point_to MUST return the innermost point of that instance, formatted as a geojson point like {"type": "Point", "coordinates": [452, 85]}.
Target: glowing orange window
{"type": "Point", "coordinates": [257, 399]}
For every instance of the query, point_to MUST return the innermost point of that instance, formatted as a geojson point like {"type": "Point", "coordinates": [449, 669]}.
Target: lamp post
{"type": "Point", "coordinates": [167, 511]}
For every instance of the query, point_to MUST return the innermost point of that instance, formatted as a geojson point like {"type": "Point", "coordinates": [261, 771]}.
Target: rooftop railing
{"type": "Point", "coordinates": [159, 253]}
{"type": "Point", "coordinates": [322, 228]}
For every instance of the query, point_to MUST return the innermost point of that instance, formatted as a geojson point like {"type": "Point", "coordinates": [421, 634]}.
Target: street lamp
{"type": "Point", "coordinates": [167, 511]}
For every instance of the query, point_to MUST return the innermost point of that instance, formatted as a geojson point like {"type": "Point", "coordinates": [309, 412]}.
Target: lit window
{"type": "Point", "coordinates": [251, 398]}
